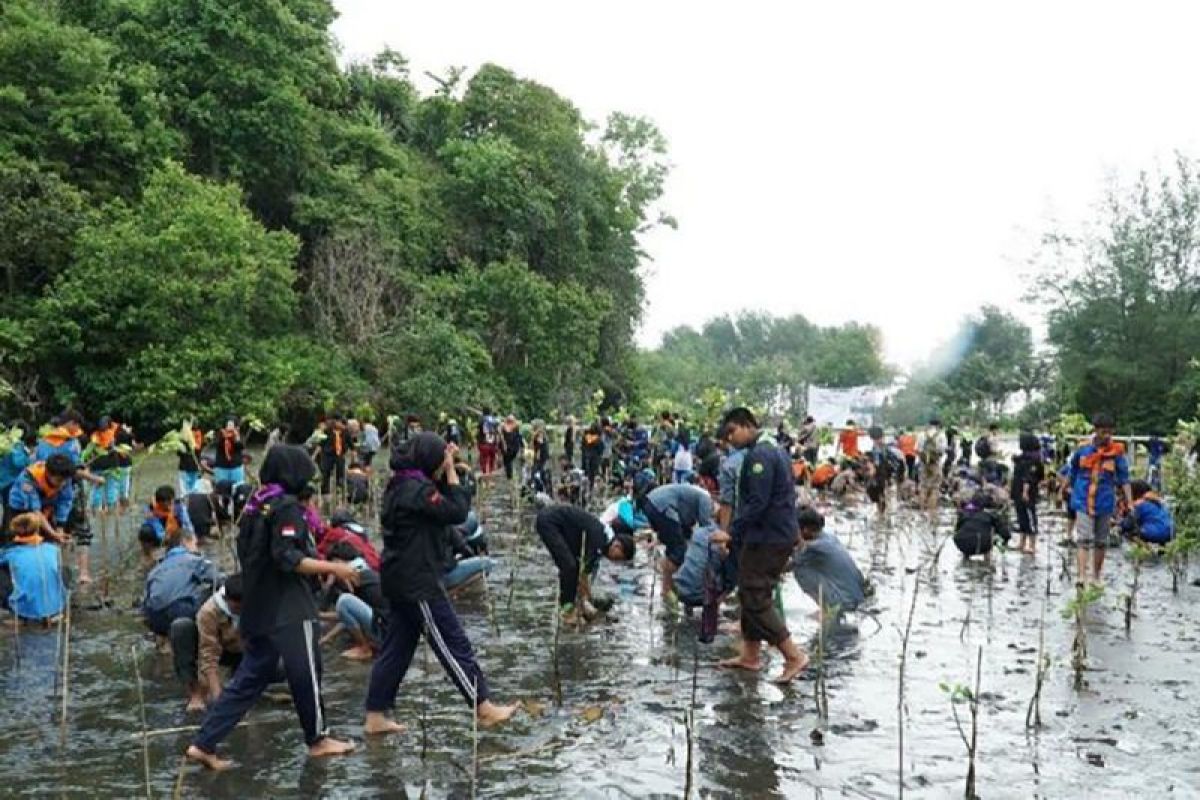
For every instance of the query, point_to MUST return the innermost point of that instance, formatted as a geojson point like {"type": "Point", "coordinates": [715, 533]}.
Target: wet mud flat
{"type": "Point", "coordinates": [627, 688]}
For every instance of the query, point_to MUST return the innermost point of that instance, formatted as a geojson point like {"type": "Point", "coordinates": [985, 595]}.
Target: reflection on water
{"type": "Point", "coordinates": [627, 684]}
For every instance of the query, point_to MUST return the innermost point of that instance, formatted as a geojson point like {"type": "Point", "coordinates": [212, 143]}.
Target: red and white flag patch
{"type": "Point", "coordinates": [288, 531]}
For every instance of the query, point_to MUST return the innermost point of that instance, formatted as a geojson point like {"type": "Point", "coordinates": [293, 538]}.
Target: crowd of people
{"type": "Point", "coordinates": [724, 514]}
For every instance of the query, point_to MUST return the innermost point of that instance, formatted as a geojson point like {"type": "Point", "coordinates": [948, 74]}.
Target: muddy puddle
{"type": "Point", "coordinates": [626, 687]}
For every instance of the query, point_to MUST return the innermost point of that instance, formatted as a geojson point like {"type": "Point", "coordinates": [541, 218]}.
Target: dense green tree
{"type": "Point", "coordinates": [1123, 304]}
{"type": "Point", "coordinates": [765, 361]}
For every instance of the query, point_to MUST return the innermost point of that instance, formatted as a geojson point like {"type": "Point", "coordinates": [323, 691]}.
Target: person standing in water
{"type": "Point", "coordinates": [1097, 471]}
{"type": "Point", "coordinates": [764, 532]}
{"type": "Point", "coordinates": [279, 613]}
{"type": "Point", "coordinates": [422, 500]}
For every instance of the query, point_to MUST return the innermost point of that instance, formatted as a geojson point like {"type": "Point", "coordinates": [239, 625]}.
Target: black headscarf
{"type": "Point", "coordinates": [289, 466]}
{"type": "Point", "coordinates": [424, 451]}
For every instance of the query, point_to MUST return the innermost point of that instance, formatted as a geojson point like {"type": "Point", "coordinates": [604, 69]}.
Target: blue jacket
{"type": "Point", "coordinates": [58, 442]}
{"type": "Point", "coordinates": [686, 504]}
{"type": "Point", "coordinates": [689, 578]}
{"type": "Point", "coordinates": [26, 495]}
{"type": "Point", "coordinates": [180, 575]}
{"type": "Point", "coordinates": [766, 497]}
{"type": "Point", "coordinates": [1095, 476]}
{"type": "Point", "coordinates": [12, 464]}
{"type": "Point", "coordinates": [1151, 520]}
{"type": "Point", "coordinates": [37, 583]}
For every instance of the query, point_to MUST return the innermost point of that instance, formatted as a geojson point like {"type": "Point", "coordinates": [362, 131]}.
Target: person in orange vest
{"type": "Point", "coordinates": [847, 443]}
{"type": "Point", "coordinates": [334, 448]}
{"type": "Point", "coordinates": [228, 464]}
{"type": "Point", "coordinates": [44, 487]}
{"type": "Point", "coordinates": [823, 475]}
{"type": "Point", "coordinates": [907, 444]}
{"type": "Point", "coordinates": [191, 444]}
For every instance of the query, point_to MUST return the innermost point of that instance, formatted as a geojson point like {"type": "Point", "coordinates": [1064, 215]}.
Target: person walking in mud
{"type": "Point", "coordinates": [279, 614]}
{"type": "Point", "coordinates": [764, 532]}
{"type": "Point", "coordinates": [424, 498]}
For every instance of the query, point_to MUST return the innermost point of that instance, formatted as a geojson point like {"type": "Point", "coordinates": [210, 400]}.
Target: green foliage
{"type": "Point", "coordinates": [1082, 600]}
{"type": "Point", "coordinates": [761, 361]}
{"type": "Point", "coordinates": [484, 239]}
{"type": "Point", "coordinates": [1123, 303]}
{"type": "Point", "coordinates": [973, 376]}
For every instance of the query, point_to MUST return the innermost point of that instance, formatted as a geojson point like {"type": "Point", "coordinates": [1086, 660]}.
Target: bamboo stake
{"type": "Point", "coordinates": [178, 793]}
{"type": "Point", "coordinates": [142, 707]}
{"type": "Point", "coordinates": [475, 742]}
{"type": "Point", "coordinates": [66, 672]}
{"type": "Point", "coordinates": [900, 688]}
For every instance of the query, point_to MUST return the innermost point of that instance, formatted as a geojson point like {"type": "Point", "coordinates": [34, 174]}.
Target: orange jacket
{"type": "Point", "coordinates": [849, 442]}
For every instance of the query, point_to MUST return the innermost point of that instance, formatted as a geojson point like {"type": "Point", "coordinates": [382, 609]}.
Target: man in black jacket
{"type": "Point", "coordinates": [279, 611]}
{"type": "Point", "coordinates": [764, 533]}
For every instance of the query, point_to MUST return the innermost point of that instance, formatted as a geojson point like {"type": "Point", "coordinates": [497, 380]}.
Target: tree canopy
{"type": "Point", "coordinates": [201, 211]}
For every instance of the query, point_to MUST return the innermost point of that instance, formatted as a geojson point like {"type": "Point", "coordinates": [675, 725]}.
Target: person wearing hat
{"type": "Point", "coordinates": [764, 533]}
{"type": "Point", "coordinates": [576, 541]}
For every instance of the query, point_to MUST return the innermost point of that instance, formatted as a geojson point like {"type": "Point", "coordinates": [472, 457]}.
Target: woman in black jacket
{"type": "Point", "coordinates": [422, 501]}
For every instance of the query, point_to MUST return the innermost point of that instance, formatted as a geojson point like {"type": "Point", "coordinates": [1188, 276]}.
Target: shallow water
{"type": "Point", "coordinates": [626, 686]}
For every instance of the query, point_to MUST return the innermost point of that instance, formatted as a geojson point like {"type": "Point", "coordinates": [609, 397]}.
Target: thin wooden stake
{"type": "Point", "coordinates": [142, 707]}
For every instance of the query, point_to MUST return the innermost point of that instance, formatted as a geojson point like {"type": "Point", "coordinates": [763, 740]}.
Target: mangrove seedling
{"type": "Point", "coordinates": [1139, 552]}
{"type": "Point", "coordinates": [962, 694]}
{"type": "Point", "coordinates": [1085, 597]}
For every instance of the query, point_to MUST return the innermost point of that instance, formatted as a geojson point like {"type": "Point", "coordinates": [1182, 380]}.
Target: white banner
{"type": "Point", "coordinates": [835, 406]}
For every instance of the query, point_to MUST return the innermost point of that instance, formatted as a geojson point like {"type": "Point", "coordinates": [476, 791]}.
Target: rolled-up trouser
{"type": "Point", "coordinates": [760, 567]}
{"type": "Point", "coordinates": [467, 569]}
{"type": "Point", "coordinates": [296, 644]}
{"type": "Point", "coordinates": [185, 646]}
{"type": "Point", "coordinates": [445, 634]}
{"type": "Point", "coordinates": [669, 531]}
{"type": "Point", "coordinates": [354, 613]}
{"type": "Point", "coordinates": [1027, 520]}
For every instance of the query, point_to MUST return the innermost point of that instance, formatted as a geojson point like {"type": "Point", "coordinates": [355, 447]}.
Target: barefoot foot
{"type": "Point", "coordinates": [330, 747]}
{"type": "Point", "coordinates": [195, 705]}
{"type": "Point", "coordinates": [379, 725]}
{"type": "Point", "coordinates": [209, 760]}
{"type": "Point", "coordinates": [791, 670]}
{"type": "Point", "coordinates": [491, 715]}
{"type": "Point", "coordinates": [739, 663]}
{"type": "Point", "coordinates": [359, 654]}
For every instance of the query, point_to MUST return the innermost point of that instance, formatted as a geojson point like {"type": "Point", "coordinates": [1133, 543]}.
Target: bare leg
{"type": "Point", "coordinates": [668, 571]}
{"type": "Point", "coordinates": [795, 661]}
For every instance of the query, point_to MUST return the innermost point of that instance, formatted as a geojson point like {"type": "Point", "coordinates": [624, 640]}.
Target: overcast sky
{"type": "Point", "coordinates": [885, 162]}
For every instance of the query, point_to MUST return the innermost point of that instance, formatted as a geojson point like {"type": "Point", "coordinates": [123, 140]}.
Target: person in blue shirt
{"type": "Point", "coordinates": [1156, 449]}
{"type": "Point", "coordinates": [31, 584]}
{"type": "Point", "coordinates": [44, 487]}
{"type": "Point", "coordinates": [1098, 470]}
{"type": "Point", "coordinates": [702, 556]}
{"type": "Point", "coordinates": [19, 456]}
{"type": "Point", "coordinates": [824, 568]}
{"type": "Point", "coordinates": [1150, 519]}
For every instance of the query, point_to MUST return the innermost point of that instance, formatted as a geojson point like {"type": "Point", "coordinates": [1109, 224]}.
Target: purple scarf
{"type": "Point", "coordinates": [401, 475]}
{"type": "Point", "coordinates": [264, 495]}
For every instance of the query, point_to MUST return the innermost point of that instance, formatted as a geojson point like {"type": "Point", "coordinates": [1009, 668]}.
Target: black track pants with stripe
{"type": "Point", "coordinates": [446, 637]}
{"type": "Point", "coordinates": [296, 645]}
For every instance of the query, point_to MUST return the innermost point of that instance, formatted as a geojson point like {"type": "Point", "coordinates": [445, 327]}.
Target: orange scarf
{"type": "Point", "coordinates": [38, 473]}
{"type": "Point", "coordinates": [166, 516]}
{"type": "Point", "coordinates": [104, 438]}
{"type": "Point", "coordinates": [228, 438]}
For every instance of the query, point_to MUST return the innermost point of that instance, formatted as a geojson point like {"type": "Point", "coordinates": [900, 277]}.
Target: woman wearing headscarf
{"type": "Point", "coordinates": [423, 499]}
{"type": "Point", "coordinates": [278, 554]}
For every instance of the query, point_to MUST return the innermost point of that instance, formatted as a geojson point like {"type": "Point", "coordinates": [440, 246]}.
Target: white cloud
{"type": "Point", "coordinates": [882, 162]}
